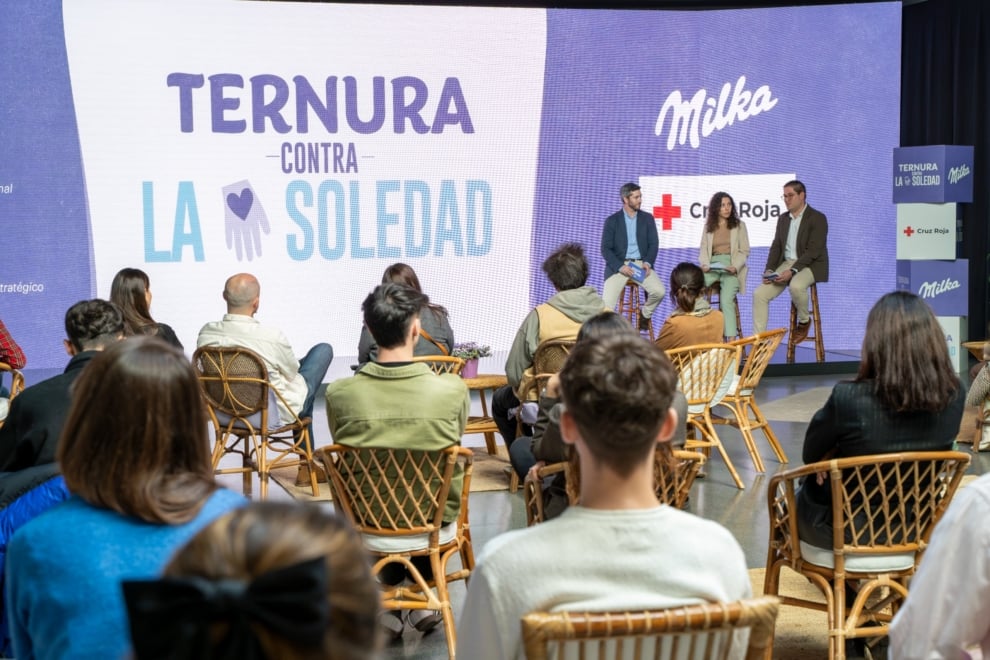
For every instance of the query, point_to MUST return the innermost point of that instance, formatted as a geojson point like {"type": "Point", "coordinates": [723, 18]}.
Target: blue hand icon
{"type": "Point", "coordinates": [245, 219]}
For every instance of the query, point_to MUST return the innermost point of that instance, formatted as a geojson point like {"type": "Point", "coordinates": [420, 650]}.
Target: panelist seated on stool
{"type": "Point", "coordinates": [797, 259]}
{"type": "Point", "coordinates": [630, 239]}
{"type": "Point", "coordinates": [722, 255]}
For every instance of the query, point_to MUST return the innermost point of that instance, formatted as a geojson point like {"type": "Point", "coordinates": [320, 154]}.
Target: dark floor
{"type": "Point", "coordinates": [743, 512]}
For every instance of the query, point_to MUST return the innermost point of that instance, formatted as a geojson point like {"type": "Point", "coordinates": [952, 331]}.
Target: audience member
{"type": "Point", "coordinates": [943, 616]}
{"type": "Point", "coordinates": [395, 403]}
{"type": "Point", "coordinates": [905, 397]}
{"type": "Point", "coordinates": [558, 318]}
{"type": "Point", "coordinates": [435, 334]}
{"type": "Point", "coordinates": [131, 292]}
{"type": "Point", "coordinates": [135, 454]}
{"type": "Point", "coordinates": [546, 445]}
{"type": "Point", "coordinates": [619, 548]}
{"type": "Point", "coordinates": [629, 247]}
{"type": "Point", "coordinates": [30, 482]}
{"type": "Point", "coordinates": [29, 435]}
{"type": "Point", "coordinates": [693, 321]}
{"type": "Point", "coordinates": [723, 254]}
{"type": "Point", "coordinates": [271, 580]}
{"type": "Point", "coordinates": [798, 258]}
{"type": "Point", "coordinates": [296, 380]}
{"type": "Point", "coordinates": [10, 353]}
{"type": "Point", "coordinates": [979, 390]}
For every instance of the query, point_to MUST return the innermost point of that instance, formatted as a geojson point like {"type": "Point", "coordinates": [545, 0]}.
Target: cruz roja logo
{"type": "Point", "coordinates": [668, 211]}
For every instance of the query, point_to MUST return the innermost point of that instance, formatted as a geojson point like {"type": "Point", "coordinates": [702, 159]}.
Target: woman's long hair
{"type": "Point", "coordinates": [906, 356]}
{"type": "Point", "coordinates": [404, 274]}
{"type": "Point", "coordinates": [129, 292]}
{"type": "Point", "coordinates": [711, 223]}
{"type": "Point", "coordinates": [135, 440]}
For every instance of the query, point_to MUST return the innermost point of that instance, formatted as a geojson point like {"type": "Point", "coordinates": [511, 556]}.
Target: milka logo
{"type": "Point", "coordinates": [957, 173]}
{"type": "Point", "coordinates": [932, 289]}
{"type": "Point", "coordinates": [702, 115]}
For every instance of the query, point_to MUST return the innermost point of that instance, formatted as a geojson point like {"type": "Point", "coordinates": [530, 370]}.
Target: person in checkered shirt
{"type": "Point", "coordinates": [10, 354]}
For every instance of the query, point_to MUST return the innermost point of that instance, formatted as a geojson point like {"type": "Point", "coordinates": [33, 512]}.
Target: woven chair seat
{"type": "Point", "coordinates": [396, 499]}
{"type": "Point", "coordinates": [884, 510]}
{"type": "Point", "coordinates": [243, 408]}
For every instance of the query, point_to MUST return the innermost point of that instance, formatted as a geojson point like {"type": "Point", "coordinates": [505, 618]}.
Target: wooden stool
{"type": "Point", "coordinates": [630, 304]}
{"type": "Point", "coordinates": [816, 337]}
{"type": "Point", "coordinates": [716, 290]}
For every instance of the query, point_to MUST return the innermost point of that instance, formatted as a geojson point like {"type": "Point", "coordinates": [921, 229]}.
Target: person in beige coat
{"type": "Point", "coordinates": [723, 253]}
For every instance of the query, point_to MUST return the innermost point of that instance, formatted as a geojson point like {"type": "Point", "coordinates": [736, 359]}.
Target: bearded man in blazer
{"type": "Point", "coordinates": [798, 258]}
{"type": "Point", "coordinates": [630, 237]}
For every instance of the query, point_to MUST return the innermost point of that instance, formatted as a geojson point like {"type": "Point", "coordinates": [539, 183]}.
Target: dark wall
{"type": "Point", "coordinates": [945, 76]}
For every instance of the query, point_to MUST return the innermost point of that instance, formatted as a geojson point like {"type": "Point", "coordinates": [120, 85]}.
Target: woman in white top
{"type": "Point", "coordinates": [723, 254]}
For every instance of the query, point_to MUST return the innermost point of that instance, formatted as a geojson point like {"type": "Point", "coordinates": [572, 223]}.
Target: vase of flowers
{"type": "Point", "coordinates": [470, 352]}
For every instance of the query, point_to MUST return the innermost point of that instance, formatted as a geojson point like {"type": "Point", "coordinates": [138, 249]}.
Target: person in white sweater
{"type": "Point", "coordinates": [618, 548]}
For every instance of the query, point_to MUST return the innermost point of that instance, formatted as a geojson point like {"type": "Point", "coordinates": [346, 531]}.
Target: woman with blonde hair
{"type": "Point", "coordinates": [435, 335]}
{"type": "Point", "coordinates": [135, 455]}
{"type": "Point", "coordinates": [131, 292]}
{"type": "Point", "coordinates": [723, 254]}
{"type": "Point", "coordinates": [271, 580]}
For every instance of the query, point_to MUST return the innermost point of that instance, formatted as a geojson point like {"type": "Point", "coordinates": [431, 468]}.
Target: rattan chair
{"type": "Point", "coordinates": [884, 508]}
{"type": "Point", "coordinates": [548, 359]}
{"type": "Point", "coordinates": [746, 414]}
{"type": "Point", "coordinates": [533, 490]}
{"type": "Point", "coordinates": [671, 482]}
{"type": "Point", "coordinates": [242, 406]}
{"type": "Point", "coordinates": [442, 364]}
{"type": "Point", "coordinates": [16, 387]}
{"type": "Point", "coordinates": [692, 632]}
{"type": "Point", "coordinates": [704, 375]}
{"type": "Point", "coordinates": [396, 499]}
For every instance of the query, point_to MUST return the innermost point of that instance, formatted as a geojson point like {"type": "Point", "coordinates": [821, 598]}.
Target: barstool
{"type": "Point", "coordinates": [817, 337]}
{"type": "Point", "coordinates": [630, 304]}
{"type": "Point", "coordinates": [716, 290]}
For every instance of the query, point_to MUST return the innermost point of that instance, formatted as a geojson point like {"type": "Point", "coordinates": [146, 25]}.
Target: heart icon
{"type": "Point", "coordinates": [241, 204]}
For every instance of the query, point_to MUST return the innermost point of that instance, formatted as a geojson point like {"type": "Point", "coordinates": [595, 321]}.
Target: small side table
{"type": "Point", "coordinates": [484, 424]}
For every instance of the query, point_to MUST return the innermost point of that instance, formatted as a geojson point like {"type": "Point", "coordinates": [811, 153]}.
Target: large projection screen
{"type": "Point", "coordinates": [315, 144]}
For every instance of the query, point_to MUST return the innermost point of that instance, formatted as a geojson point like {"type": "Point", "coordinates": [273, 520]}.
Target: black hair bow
{"type": "Point", "coordinates": [171, 617]}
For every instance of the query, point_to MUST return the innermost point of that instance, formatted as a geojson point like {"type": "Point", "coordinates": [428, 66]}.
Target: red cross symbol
{"type": "Point", "coordinates": [667, 212]}
{"type": "Point", "coordinates": [908, 231]}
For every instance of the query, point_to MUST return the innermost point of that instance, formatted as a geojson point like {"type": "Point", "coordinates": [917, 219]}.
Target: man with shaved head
{"type": "Point", "coordinates": [295, 379]}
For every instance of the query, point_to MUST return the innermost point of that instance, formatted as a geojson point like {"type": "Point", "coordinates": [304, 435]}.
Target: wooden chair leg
{"type": "Point", "coordinates": [739, 410]}
{"type": "Point", "coordinates": [819, 339]}
{"type": "Point", "coordinates": [709, 430]}
{"type": "Point", "coordinates": [763, 424]}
